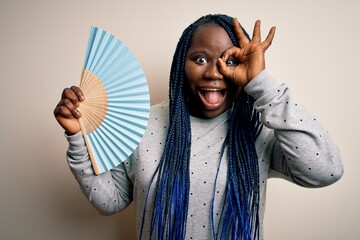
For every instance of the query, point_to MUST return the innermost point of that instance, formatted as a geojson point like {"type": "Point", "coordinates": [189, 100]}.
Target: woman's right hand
{"type": "Point", "coordinates": [66, 112]}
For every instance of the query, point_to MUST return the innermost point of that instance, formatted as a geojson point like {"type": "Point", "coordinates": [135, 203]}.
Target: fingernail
{"type": "Point", "coordinates": [76, 113]}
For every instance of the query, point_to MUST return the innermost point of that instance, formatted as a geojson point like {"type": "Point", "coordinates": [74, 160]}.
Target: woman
{"type": "Point", "coordinates": [200, 171]}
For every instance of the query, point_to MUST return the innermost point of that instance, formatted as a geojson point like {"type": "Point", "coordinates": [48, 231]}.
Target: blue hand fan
{"type": "Point", "coordinates": [117, 101]}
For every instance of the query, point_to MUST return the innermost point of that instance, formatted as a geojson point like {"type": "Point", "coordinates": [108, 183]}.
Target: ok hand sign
{"type": "Point", "coordinates": [250, 55]}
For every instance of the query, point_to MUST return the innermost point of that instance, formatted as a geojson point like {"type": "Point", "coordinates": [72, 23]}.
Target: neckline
{"type": "Point", "coordinates": [224, 116]}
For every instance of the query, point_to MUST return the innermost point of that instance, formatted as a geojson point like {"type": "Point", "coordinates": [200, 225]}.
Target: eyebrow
{"type": "Point", "coordinates": [198, 52]}
{"type": "Point", "coordinates": [204, 52]}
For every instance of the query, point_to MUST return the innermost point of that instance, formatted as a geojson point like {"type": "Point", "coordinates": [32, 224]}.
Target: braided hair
{"type": "Point", "coordinates": [240, 213]}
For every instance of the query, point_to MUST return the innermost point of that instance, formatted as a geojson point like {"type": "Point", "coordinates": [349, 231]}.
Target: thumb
{"type": "Point", "coordinates": [225, 69]}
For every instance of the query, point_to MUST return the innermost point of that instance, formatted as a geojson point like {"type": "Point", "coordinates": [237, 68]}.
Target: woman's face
{"type": "Point", "coordinates": [209, 93]}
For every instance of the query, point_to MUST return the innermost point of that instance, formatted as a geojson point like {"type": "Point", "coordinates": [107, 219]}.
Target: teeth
{"type": "Point", "coordinates": [211, 89]}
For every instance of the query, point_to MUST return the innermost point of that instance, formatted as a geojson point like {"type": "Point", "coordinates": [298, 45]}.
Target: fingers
{"type": "Point", "coordinates": [269, 38]}
{"type": "Point", "coordinates": [224, 69]}
{"type": "Point", "coordinates": [74, 94]}
{"type": "Point", "coordinates": [256, 38]}
{"type": "Point", "coordinates": [67, 106]}
{"type": "Point", "coordinates": [256, 33]}
{"type": "Point", "coordinates": [239, 33]}
{"type": "Point", "coordinates": [67, 109]}
{"type": "Point", "coordinates": [233, 51]}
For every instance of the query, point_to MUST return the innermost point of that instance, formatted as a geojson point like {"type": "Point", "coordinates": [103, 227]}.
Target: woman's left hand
{"type": "Point", "coordinates": [250, 55]}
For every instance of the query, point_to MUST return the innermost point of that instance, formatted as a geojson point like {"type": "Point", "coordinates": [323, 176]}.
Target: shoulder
{"type": "Point", "coordinates": [159, 112]}
{"type": "Point", "coordinates": [159, 116]}
{"type": "Point", "coordinates": [159, 109]}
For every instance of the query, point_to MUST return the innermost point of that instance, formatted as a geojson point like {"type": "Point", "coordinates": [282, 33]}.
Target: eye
{"type": "Point", "coordinates": [231, 62]}
{"type": "Point", "coordinates": [200, 60]}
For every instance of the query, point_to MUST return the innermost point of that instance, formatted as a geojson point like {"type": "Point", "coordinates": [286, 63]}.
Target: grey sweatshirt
{"type": "Point", "coordinates": [292, 145]}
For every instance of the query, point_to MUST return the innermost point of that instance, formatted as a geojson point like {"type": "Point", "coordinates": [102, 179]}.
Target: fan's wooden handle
{"type": "Point", "coordinates": [91, 155]}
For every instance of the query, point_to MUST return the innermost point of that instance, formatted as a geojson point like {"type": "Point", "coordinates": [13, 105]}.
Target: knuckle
{"type": "Point", "coordinates": [55, 112]}
{"type": "Point", "coordinates": [62, 109]}
{"type": "Point", "coordinates": [66, 91]}
{"type": "Point", "coordinates": [59, 111]}
{"type": "Point", "coordinates": [66, 102]}
{"type": "Point", "coordinates": [74, 88]}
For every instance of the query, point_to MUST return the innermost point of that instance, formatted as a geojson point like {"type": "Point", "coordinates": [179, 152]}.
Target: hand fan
{"type": "Point", "coordinates": [117, 101]}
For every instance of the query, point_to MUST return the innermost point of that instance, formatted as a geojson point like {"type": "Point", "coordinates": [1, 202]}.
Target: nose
{"type": "Point", "coordinates": [212, 72]}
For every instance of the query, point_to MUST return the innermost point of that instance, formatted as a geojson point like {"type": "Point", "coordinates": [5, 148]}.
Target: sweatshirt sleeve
{"type": "Point", "coordinates": [303, 151]}
{"type": "Point", "coordinates": [109, 192]}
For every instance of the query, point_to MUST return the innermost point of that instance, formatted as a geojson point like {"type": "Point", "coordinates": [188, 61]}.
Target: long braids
{"type": "Point", "coordinates": [240, 217]}
{"type": "Point", "coordinates": [169, 210]}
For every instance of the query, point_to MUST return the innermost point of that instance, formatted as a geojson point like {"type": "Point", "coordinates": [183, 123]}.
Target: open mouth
{"type": "Point", "coordinates": [212, 97]}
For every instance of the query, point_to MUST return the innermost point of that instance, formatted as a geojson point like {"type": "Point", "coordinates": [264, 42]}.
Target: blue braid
{"type": "Point", "coordinates": [241, 211]}
{"type": "Point", "coordinates": [240, 216]}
